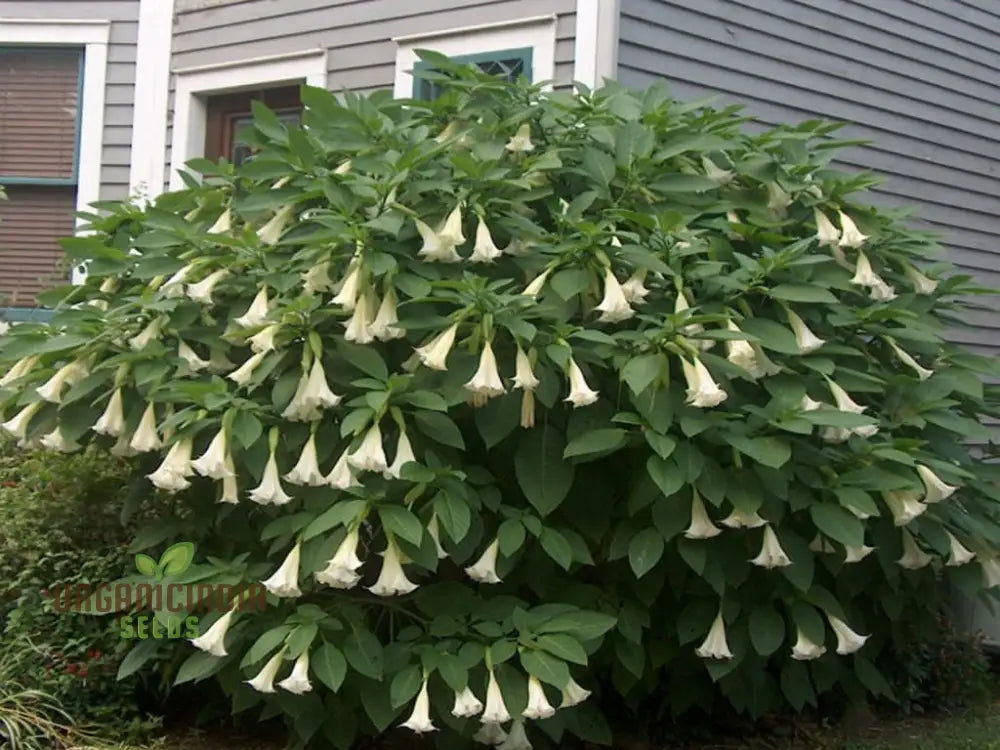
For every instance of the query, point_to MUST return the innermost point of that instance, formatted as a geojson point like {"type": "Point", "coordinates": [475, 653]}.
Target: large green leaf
{"type": "Point", "coordinates": [644, 551]}
{"type": "Point", "coordinates": [544, 476]}
{"type": "Point", "coordinates": [599, 442]}
{"type": "Point", "coordinates": [838, 524]}
{"type": "Point", "coordinates": [329, 665]}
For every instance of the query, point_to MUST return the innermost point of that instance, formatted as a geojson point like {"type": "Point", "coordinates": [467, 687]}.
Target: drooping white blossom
{"type": "Point", "coordinates": [263, 340]}
{"type": "Point", "coordinates": [922, 372]}
{"type": "Point", "coordinates": [808, 404]}
{"type": "Point", "coordinates": [256, 314]}
{"type": "Point", "coordinates": [524, 376]}
{"type": "Point", "coordinates": [715, 173]}
{"type": "Point", "coordinates": [535, 287]}
{"type": "Point", "coordinates": [358, 328]}
{"type": "Point", "coordinates": [485, 249]}
{"type": "Point", "coordinates": [715, 646]}
{"type": "Point", "coordinates": [269, 491]}
{"type": "Point", "coordinates": [516, 739]}
{"type": "Point", "coordinates": [496, 710]}
{"type": "Point", "coordinates": [739, 351]}
{"type": "Point", "coordinates": [147, 335]}
{"type": "Point", "coordinates": [175, 468]}
{"type": "Point", "coordinates": [19, 369]}
{"type": "Point", "coordinates": [740, 520]}
{"type": "Point", "coordinates": [264, 681]}
{"type": "Point", "coordinates": [213, 640]}
{"type": "Point", "coordinates": [341, 571]}
{"type": "Point", "coordinates": [306, 471]}
{"type": "Point", "coordinates": [913, 557]}
{"type": "Point", "coordinates": [484, 570]}
{"type": "Point", "coordinates": [904, 505]}
{"type": "Point", "coordinates": [384, 326]}
{"type": "Point", "coordinates": [934, 489]}
{"type": "Point", "coordinates": [271, 232]}
{"type": "Point", "coordinates": [435, 247]}
{"type": "Point", "coordinates": [882, 292]}
{"type": "Point", "coordinates": [805, 649]}
{"type": "Point", "coordinates": [805, 339]}
{"type": "Point", "coordinates": [538, 704]}
{"type": "Point", "coordinates": [614, 307]}
{"type": "Point", "coordinates": [145, 438]}
{"type": "Point", "coordinates": [851, 235]}
{"type": "Point", "coordinates": [349, 289]}
{"type": "Point", "coordinates": [826, 232]}
{"type": "Point", "coordinates": [341, 477]}
{"type": "Point", "coordinates": [298, 682]}
{"type": "Point", "coordinates": [958, 554]}
{"type": "Point", "coordinates": [420, 719]}
{"type": "Point", "coordinates": [216, 460]}
{"type": "Point", "coordinates": [223, 224]}
{"type": "Point", "coordinates": [847, 640]}
{"type": "Point", "coordinates": [521, 140]}
{"type": "Point", "coordinates": [230, 487]}
{"type": "Point", "coordinates": [56, 441]}
{"type": "Point", "coordinates": [174, 286]}
{"type": "Point", "coordinates": [403, 456]}
{"type": "Point", "coordinates": [202, 291]}
{"type": "Point", "coordinates": [434, 354]}
{"type": "Point", "coordinates": [434, 532]}
{"type": "Point", "coordinates": [285, 580]}
{"type": "Point", "coordinates": [218, 361]}
{"type": "Point", "coordinates": [466, 704]}
{"type": "Point", "coordinates": [921, 284]}
{"type": "Point", "coordinates": [190, 357]}
{"type": "Point", "coordinates": [702, 391]}
{"type": "Point", "coordinates": [112, 420]}
{"type": "Point", "coordinates": [580, 394]}
{"type": "Point", "coordinates": [66, 376]}
{"type": "Point", "coordinates": [573, 694]}
{"type": "Point", "coordinates": [777, 199]}
{"type": "Point", "coordinates": [634, 288]}
{"type": "Point", "coordinates": [857, 554]}
{"type": "Point", "coordinates": [369, 455]}
{"type": "Point", "coordinates": [242, 375]}
{"type": "Point", "coordinates": [485, 382]}
{"type": "Point", "coordinates": [317, 278]}
{"type": "Point", "coordinates": [392, 580]}
{"type": "Point", "coordinates": [771, 554]}
{"type": "Point", "coordinates": [701, 526]}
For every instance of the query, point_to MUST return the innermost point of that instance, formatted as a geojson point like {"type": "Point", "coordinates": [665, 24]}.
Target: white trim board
{"type": "Point", "coordinates": [595, 51]}
{"type": "Point", "coordinates": [149, 123]}
{"type": "Point", "coordinates": [92, 36]}
{"type": "Point", "coordinates": [537, 32]}
{"type": "Point", "coordinates": [194, 85]}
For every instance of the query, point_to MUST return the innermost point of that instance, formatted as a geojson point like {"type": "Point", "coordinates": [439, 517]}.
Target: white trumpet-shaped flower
{"type": "Point", "coordinates": [384, 326]}
{"type": "Point", "coordinates": [805, 649]}
{"type": "Point", "coordinates": [771, 554]}
{"type": "Point", "coordinates": [392, 580]}
{"type": "Point", "coordinates": [485, 382]}
{"type": "Point", "coordinates": [404, 455]}
{"type": "Point", "coordinates": [420, 719]}
{"type": "Point", "coordinates": [740, 520]}
{"type": "Point", "coordinates": [904, 505]}
{"type": "Point", "coordinates": [223, 224]}
{"type": "Point", "coordinates": [350, 288]}
{"type": "Point", "coordinates": [297, 682]}
{"type": "Point", "coordinates": [191, 359]}
{"type": "Point", "coordinates": [484, 570]}
{"type": "Point", "coordinates": [573, 694]}
{"type": "Point", "coordinates": [317, 394]}
{"type": "Point", "coordinates": [958, 554]}
{"type": "Point", "coordinates": [614, 307]}
{"type": "Point", "coordinates": [715, 173]}
{"type": "Point", "coordinates": [991, 572]}
{"type": "Point", "coordinates": [739, 351]}
{"type": "Point", "coordinates": [213, 640]}
{"type": "Point", "coordinates": [913, 557]}
{"type": "Point", "coordinates": [521, 140]}
{"type": "Point", "coordinates": [935, 489]}
{"type": "Point", "coordinates": [263, 340]}
{"type": "Point", "coordinates": [490, 733]}
{"type": "Point", "coordinates": [864, 274]}
{"type": "Point", "coordinates": [306, 470]}
{"type": "Point", "coordinates": [496, 710]}
{"type": "Point", "coordinates": [341, 477]}
{"type": "Point", "coordinates": [466, 704]}
{"type": "Point", "coordinates": [341, 571]}
{"type": "Point", "coordinates": [451, 230]}
{"type": "Point", "coordinates": [56, 441]}
{"type": "Point", "coordinates": [485, 249]}
{"type": "Point", "coordinates": [435, 247]}
{"type": "Point", "coordinates": [215, 462]}
{"type": "Point", "coordinates": [264, 681]}
{"type": "Point", "coordinates": [285, 580]}
{"type": "Point", "coordinates": [242, 375]}
{"type": "Point", "coordinates": [826, 232]}
{"type": "Point", "coordinates": [538, 705]}
{"type": "Point", "coordinates": [122, 448]}
{"type": "Point", "coordinates": [857, 554]}
{"type": "Point", "coordinates": [174, 286]}
{"type": "Point", "coordinates": [847, 640]}
{"type": "Point", "coordinates": [702, 391]}
{"type": "Point", "coordinates": [370, 455]}
{"type": "Point", "coordinates": [145, 438]}
{"type": "Point", "coordinates": [634, 288]}
{"type": "Point", "coordinates": [805, 339]}
{"type": "Point", "coordinates": [701, 526]}
{"type": "Point", "coordinates": [434, 354]}
{"type": "Point", "coordinates": [922, 372]}
{"type": "Point", "coordinates": [524, 377]}
{"type": "Point", "coordinates": [66, 376]}
{"type": "Point", "coordinates": [921, 284]}
{"type": "Point", "coordinates": [147, 335]}
{"type": "Point", "coordinates": [580, 394]}
{"type": "Point", "coordinates": [358, 328]}
{"type": "Point", "coordinates": [680, 306]}
{"type": "Point", "coordinates": [882, 292]}
{"type": "Point", "coordinates": [19, 369]}
{"type": "Point", "coordinates": [851, 235]}
{"type": "Point", "coordinates": [535, 287]}
{"type": "Point", "coordinates": [434, 532]}
{"type": "Point", "coordinates": [777, 199]}
{"type": "Point", "coordinates": [843, 399]}
{"type": "Point", "coordinates": [256, 314]}
{"type": "Point", "coordinates": [271, 232]}
{"type": "Point", "coordinates": [516, 739]}
{"type": "Point", "coordinates": [715, 645]}
{"type": "Point", "coordinates": [202, 291]}
{"type": "Point", "coordinates": [269, 491]}
{"type": "Point", "coordinates": [317, 278]}
{"type": "Point", "coordinates": [809, 404]}
{"type": "Point", "coordinates": [112, 421]}
{"type": "Point", "coordinates": [230, 487]}
{"type": "Point", "coordinates": [176, 467]}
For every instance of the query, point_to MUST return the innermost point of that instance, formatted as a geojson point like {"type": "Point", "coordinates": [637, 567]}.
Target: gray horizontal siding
{"type": "Point", "coordinates": [918, 78]}
{"type": "Point", "coordinates": [120, 85]}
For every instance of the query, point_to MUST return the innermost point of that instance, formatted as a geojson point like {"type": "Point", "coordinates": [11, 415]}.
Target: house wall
{"type": "Point", "coordinates": [920, 78]}
{"type": "Point", "coordinates": [119, 88]}
{"type": "Point", "coordinates": [358, 35]}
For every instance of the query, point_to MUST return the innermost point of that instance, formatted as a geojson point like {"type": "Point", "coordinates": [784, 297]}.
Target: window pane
{"type": "Point", "coordinates": [32, 220]}
{"type": "Point", "coordinates": [241, 151]}
{"type": "Point", "coordinates": [506, 64]}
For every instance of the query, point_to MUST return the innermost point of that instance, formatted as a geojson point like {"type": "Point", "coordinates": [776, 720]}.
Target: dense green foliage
{"type": "Point", "coordinates": [732, 412]}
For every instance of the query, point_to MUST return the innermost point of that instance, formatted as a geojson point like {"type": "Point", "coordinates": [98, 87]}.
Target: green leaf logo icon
{"type": "Point", "coordinates": [175, 560]}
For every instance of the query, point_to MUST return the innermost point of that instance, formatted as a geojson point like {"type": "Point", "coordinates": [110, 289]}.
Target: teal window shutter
{"type": "Point", "coordinates": [509, 64]}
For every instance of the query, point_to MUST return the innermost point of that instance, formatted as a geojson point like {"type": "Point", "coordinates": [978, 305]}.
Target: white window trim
{"type": "Point", "coordinates": [595, 52]}
{"type": "Point", "coordinates": [92, 36]}
{"type": "Point", "coordinates": [197, 83]}
{"type": "Point", "coordinates": [537, 32]}
{"type": "Point", "coordinates": [149, 119]}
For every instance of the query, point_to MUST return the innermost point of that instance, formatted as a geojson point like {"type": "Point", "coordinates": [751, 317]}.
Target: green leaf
{"type": "Point", "coordinates": [644, 551]}
{"type": "Point", "coordinates": [265, 644]}
{"type": "Point", "coordinates": [838, 524]}
{"type": "Point", "coordinates": [342, 513]}
{"type": "Point", "coordinates": [796, 685]}
{"type": "Point", "coordinates": [570, 282]}
{"type": "Point", "coordinates": [544, 476]}
{"type": "Point", "coordinates": [137, 657]}
{"type": "Point", "coordinates": [364, 358]}
{"type": "Point", "coordinates": [767, 630]}
{"type": "Point", "coordinates": [198, 666]}
{"type": "Point", "coordinates": [176, 558]}
{"type": "Point", "coordinates": [584, 625]}
{"type": "Point", "coordinates": [510, 536]}
{"type": "Point", "coordinates": [662, 444]}
{"type": "Point", "coordinates": [247, 429]}
{"type": "Point", "coordinates": [364, 653]}
{"type": "Point", "coordinates": [402, 522]}
{"type": "Point", "coordinates": [666, 474]}
{"type": "Point", "coordinates": [145, 564]}
{"type": "Point", "coordinates": [872, 678]}
{"type": "Point", "coordinates": [375, 699]}
{"type": "Point", "coordinates": [498, 418]}
{"type": "Point", "coordinates": [453, 515]}
{"type": "Point", "coordinates": [834, 418]}
{"type": "Point", "coordinates": [439, 427]}
{"type": "Point", "coordinates": [405, 685]}
{"type": "Point", "coordinates": [770, 451]}
{"type": "Point", "coordinates": [557, 547]}
{"type": "Point", "coordinates": [546, 668]}
{"type": "Point", "coordinates": [563, 646]}
{"type": "Point", "coordinates": [599, 166]}
{"type": "Point", "coordinates": [301, 639]}
{"type": "Point", "coordinates": [640, 372]}
{"type": "Point", "coordinates": [803, 293]}
{"type": "Point", "coordinates": [329, 665]}
{"type": "Point", "coordinates": [599, 441]}
{"type": "Point", "coordinates": [683, 183]}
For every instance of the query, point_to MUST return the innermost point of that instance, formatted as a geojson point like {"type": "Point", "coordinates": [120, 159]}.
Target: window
{"type": "Point", "coordinates": [39, 160]}
{"type": "Point", "coordinates": [228, 115]}
{"type": "Point", "coordinates": [508, 64]}
{"type": "Point", "coordinates": [524, 46]}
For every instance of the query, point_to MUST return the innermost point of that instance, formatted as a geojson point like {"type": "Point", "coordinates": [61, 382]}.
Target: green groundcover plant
{"type": "Point", "coordinates": [516, 396]}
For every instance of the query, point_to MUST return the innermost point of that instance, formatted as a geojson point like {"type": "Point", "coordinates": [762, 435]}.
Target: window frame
{"type": "Point", "coordinates": [537, 33]}
{"type": "Point", "coordinates": [525, 54]}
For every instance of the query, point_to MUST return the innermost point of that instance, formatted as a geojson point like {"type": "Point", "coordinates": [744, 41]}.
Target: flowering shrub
{"type": "Point", "coordinates": [516, 396]}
